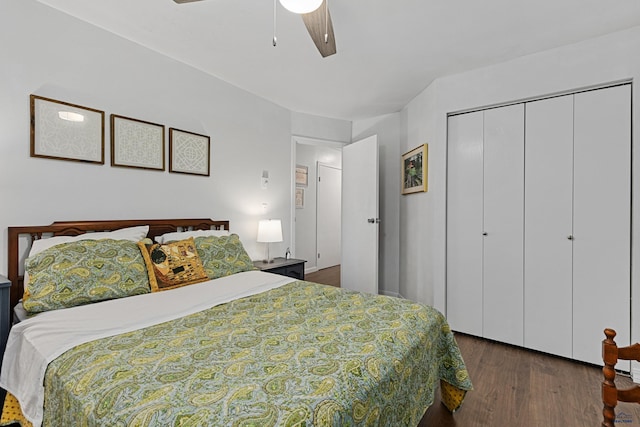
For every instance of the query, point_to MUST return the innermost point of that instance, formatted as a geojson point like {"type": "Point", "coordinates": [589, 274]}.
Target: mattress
{"type": "Point", "coordinates": [284, 353]}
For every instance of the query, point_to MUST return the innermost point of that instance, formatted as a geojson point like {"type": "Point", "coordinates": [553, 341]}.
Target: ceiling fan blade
{"type": "Point", "coordinates": [318, 24]}
{"type": "Point", "coordinates": [184, 1]}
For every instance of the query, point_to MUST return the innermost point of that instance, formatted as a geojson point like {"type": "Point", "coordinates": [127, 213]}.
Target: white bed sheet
{"type": "Point", "coordinates": [36, 341]}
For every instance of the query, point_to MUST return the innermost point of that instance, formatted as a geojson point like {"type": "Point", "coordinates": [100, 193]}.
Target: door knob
{"type": "Point", "coordinates": [570, 237]}
{"type": "Point", "coordinates": [485, 234]}
{"type": "Point", "coordinates": [373, 220]}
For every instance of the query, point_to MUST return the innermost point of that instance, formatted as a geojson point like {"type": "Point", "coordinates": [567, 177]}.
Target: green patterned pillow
{"type": "Point", "coordinates": [84, 271]}
{"type": "Point", "coordinates": [223, 255]}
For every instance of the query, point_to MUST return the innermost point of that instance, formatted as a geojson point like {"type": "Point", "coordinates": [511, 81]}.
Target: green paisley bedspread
{"type": "Point", "coordinates": [300, 355]}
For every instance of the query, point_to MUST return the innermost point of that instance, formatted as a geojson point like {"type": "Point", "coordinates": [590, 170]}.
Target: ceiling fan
{"type": "Point", "coordinates": [318, 23]}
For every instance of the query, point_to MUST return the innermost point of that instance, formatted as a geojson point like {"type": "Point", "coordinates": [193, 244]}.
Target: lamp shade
{"type": "Point", "coordinates": [301, 6]}
{"type": "Point", "coordinates": [269, 230]}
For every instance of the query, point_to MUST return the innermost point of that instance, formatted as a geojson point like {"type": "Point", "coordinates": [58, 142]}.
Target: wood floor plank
{"type": "Point", "coordinates": [516, 387]}
{"type": "Point", "coordinates": [326, 276]}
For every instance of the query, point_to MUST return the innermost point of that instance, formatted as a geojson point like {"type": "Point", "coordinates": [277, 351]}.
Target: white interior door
{"type": "Point", "coordinates": [602, 219]}
{"type": "Point", "coordinates": [548, 226]}
{"type": "Point", "coordinates": [359, 270]}
{"type": "Point", "coordinates": [328, 208]}
{"type": "Point", "coordinates": [464, 223]}
{"type": "Point", "coordinates": [503, 224]}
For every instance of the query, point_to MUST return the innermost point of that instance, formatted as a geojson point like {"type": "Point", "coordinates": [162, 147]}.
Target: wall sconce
{"type": "Point", "coordinates": [269, 231]}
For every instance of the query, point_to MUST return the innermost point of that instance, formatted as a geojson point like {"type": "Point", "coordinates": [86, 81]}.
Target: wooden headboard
{"type": "Point", "coordinates": [74, 228]}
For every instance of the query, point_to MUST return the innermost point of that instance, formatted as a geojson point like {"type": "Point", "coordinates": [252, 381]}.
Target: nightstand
{"type": "Point", "coordinates": [285, 267]}
{"type": "Point", "coordinates": [5, 320]}
{"type": "Point", "coordinates": [5, 313]}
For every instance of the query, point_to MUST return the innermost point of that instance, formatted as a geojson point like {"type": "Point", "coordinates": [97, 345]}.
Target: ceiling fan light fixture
{"type": "Point", "coordinates": [301, 6]}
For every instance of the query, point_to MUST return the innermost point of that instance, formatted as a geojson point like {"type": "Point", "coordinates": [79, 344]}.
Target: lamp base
{"type": "Point", "coordinates": [268, 260]}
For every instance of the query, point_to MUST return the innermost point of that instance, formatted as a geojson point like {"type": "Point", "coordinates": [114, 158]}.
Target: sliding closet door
{"type": "Point", "coordinates": [464, 223]}
{"type": "Point", "coordinates": [503, 224]}
{"type": "Point", "coordinates": [548, 319]}
{"type": "Point", "coordinates": [602, 225]}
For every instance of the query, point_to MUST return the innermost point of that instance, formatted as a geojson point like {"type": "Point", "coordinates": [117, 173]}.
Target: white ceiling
{"type": "Point", "coordinates": [388, 51]}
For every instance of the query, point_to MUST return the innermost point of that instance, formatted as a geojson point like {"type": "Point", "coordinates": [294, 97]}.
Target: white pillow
{"type": "Point", "coordinates": [181, 235]}
{"type": "Point", "coordinates": [135, 234]}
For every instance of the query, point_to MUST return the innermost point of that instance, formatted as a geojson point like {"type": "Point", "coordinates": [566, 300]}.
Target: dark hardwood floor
{"type": "Point", "coordinates": [326, 276]}
{"type": "Point", "coordinates": [520, 388]}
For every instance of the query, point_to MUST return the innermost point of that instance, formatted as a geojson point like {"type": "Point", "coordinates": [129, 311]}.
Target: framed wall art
{"type": "Point", "coordinates": [65, 131]}
{"type": "Point", "coordinates": [415, 168]}
{"type": "Point", "coordinates": [302, 175]}
{"type": "Point", "coordinates": [136, 143]}
{"type": "Point", "coordinates": [299, 198]}
{"type": "Point", "coordinates": [189, 152]}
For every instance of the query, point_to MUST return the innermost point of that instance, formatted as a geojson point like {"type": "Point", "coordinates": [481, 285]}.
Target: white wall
{"type": "Point", "coordinates": [423, 218]}
{"type": "Point", "coordinates": [322, 128]}
{"type": "Point", "coordinates": [387, 127]}
{"type": "Point", "coordinates": [418, 226]}
{"type": "Point", "coordinates": [48, 53]}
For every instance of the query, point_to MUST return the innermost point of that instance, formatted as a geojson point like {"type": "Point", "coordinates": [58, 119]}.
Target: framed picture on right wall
{"type": "Point", "coordinates": [415, 168]}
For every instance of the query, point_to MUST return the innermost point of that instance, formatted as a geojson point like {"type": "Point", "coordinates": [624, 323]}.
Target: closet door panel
{"type": "Point", "coordinates": [548, 225]}
{"type": "Point", "coordinates": [602, 209]}
{"type": "Point", "coordinates": [464, 223]}
{"type": "Point", "coordinates": [503, 224]}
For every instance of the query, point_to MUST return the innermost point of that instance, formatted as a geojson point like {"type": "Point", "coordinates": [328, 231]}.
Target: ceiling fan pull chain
{"type": "Point", "coordinates": [326, 21]}
{"type": "Point", "coordinates": [275, 8]}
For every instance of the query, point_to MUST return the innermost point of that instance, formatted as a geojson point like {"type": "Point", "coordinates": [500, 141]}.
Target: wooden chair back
{"type": "Point", "coordinates": [611, 395]}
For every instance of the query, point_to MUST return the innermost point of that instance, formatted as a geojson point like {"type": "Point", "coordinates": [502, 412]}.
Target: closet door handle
{"type": "Point", "coordinates": [485, 234]}
{"type": "Point", "coordinates": [570, 237]}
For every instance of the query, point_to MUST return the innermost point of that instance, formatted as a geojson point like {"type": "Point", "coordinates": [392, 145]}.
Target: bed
{"type": "Point", "coordinates": [216, 343]}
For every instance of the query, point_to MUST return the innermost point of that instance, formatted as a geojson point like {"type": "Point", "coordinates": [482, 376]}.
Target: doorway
{"type": "Point", "coordinates": [313, 155]}
{"type": "Point", "coordinates": [329, 216]}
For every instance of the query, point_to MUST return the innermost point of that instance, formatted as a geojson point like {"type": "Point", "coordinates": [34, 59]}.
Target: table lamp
{"type": "Point", "coordinates": [269, 231]}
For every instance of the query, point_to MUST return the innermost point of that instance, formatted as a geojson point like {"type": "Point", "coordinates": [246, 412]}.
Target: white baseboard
{"type": "Point", "coordinates": [635, 372]}
{"type": "Point", "coordinates": [391, 294]}
{"type": "Point", "coordinates": [310, 270]}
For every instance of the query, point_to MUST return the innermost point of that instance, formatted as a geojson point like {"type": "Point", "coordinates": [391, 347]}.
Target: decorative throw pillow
{"type": "Point", "coordinates": [84, 271]}
{"type": "Point", "coordinates": [223, 255]}
{"type": "Point", "coordinates": [172, 265]}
